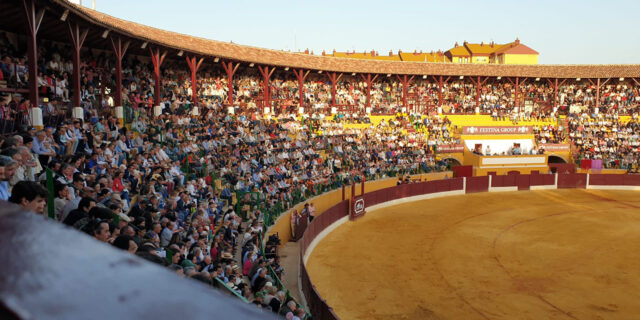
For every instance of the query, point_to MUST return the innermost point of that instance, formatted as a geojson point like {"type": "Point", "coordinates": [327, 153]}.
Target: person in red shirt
{"type": "Point", "coordinates": [117, 185]}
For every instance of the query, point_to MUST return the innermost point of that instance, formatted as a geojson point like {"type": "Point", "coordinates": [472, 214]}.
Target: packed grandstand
{"type": "Point", "coordinates": [190, 175]}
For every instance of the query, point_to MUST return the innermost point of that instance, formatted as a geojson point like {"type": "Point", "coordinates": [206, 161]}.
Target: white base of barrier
{"type": "Point", "coordinates": [630, 188]}
{"type": "Point", "coordinates": [543, 187]}
{"type": "Point", "coordinates": [502, 189]}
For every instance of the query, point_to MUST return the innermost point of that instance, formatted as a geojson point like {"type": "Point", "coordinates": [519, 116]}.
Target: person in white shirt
{"type": "Point", "coordinates": [122, 144]}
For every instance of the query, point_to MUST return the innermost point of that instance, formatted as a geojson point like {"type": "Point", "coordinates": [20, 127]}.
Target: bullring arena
{"type": "Point", "coordinates": [146, 173]}
{"type": "Point", "coordinates": [549, 254]}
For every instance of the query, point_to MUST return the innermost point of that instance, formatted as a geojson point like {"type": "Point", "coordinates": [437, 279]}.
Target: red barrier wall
{"type": "Point", "coordinates": [605, 179]}
{"type": "Point", "coordinates": [412, 189]}
{"type": "Point", "coordinates": [477, 184]}
{"type": "Point", "coordinates": [631, 179]}
{"type": "Point", "coordinates": [614, 180]}
{"type": "Point", "coordinates": [462, 171]}
{"type": "Point", "coordinates": [523, 181]}
{"type": "Point", "coordinates": [542, 180]}
{"type": "Point", "coordinates": [503, 181]}
{"type": "Point", "coordinates": [316, 304]}
{"type": "Point", "coordinates": [574, 180]}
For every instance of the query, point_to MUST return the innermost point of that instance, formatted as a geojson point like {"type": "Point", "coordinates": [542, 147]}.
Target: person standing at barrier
{"type": "Point", "coordinates": [295, 221]}
{"type": "Point", "coordinates": [312, 212]}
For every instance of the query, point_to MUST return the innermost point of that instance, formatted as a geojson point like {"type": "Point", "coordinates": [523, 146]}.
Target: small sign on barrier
{"type": "Point", "coordinates": [357, 208]}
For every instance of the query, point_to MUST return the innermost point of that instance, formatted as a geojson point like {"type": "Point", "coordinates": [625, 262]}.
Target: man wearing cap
{"type": "Point", "coordinates": [39, 149]}
{"type": "Point", "coordinates": [7, 169]}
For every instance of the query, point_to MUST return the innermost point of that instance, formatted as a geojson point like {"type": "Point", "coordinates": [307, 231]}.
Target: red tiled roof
{"type": "Point", "coordinates": [514, 48]}
{"type": "Point", "coordinates": [249, 54]}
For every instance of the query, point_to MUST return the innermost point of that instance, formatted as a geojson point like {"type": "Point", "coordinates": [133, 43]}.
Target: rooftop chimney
{"type": "Point", "coordinates": [323, 53]}
{"type": "Point", "coordinates": [492, 44]}
{"type": "Point", "coordinates": [517, 41]}
{"type": "Point", "coordinates": [390, 53]}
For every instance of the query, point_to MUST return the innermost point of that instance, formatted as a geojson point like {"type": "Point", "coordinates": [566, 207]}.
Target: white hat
{"type": "Point", "coordinates": [124, 217]}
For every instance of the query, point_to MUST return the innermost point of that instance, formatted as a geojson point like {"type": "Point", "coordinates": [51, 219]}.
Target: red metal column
{"type": "Point", "coordinates": [555, 85]}
{"type": "Point", "coordinates": [119, 50]}
{"type": "Point", "coordinates": [519, 92]}
{"type": "Point", "coordinates": [34, 18]}
{"type": "Point", "coordinates": [157, 59]}
{"type": "Point", "coordinates": [231, 69]}
{"type": "Point", "coordinates": [405, 88]}
{"type": "Point", "coordinates": [598, 85]}
{"type": "Point", "coordinates": [77, 39]}
{"type": "Point", "coordinates": [191, 61]}
{"type": "Point", "coordinates": [478, 82]}
{"type": "Point", "coordinates": [369, 81]}
{"type": "Point", "coordinates": [301, 76]}
{"type": "Point", "coordinates": [441, 84]}
{"type": "Point", "coordinates": [334, 78]}
{"type": "Point", "coordinates": [266, 75]}
{"type": "Point", "coordinates": [353, 192]}
{"type": "Point", "coordinates": [597, 93]}
{"type": "Point", "coordinates": [517, 89]}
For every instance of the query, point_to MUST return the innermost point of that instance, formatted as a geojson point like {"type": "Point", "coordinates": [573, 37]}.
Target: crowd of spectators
{"type": "Point", "coordinates": [146, 189]}
{"type": "Point", "coordinates": [167, 189]}
{"type": "Point", "coordinates": [607, 138]}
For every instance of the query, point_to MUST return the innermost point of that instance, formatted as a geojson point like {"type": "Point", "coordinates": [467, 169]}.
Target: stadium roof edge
{"type": "Point", "coordinates": [279, 58]}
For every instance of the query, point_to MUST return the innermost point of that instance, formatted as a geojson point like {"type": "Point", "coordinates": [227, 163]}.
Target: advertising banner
{"type": "Point", "coordinates": [497, 130]}
{"type": "Point", "coordinates": [555, 147]}
{"type": "Point", "coordinates": [450, 148]}
{"type": "Point", "coordinates": [357, 208]}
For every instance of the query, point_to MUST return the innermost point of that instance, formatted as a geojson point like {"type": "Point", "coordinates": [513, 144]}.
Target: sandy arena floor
{"type": "Point", "coordinates": [559, 254]}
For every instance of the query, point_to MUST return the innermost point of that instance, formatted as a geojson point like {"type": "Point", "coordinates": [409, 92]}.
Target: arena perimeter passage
{"type": "Point", "coordinates": [559, 254]}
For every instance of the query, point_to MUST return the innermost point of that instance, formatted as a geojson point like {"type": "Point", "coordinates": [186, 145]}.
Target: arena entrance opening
{"type": "Point", "coordinates": [556, 159]}
{"type": "Point", "coordinates": [453, 162]}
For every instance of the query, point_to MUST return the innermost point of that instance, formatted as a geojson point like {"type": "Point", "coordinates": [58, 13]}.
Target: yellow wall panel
{"type": "Point", "coordinates": [520, 59]}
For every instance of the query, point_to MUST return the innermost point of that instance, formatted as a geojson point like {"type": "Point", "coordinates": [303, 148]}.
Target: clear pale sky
{"type": "Point", "coordinates": [564, 32]}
